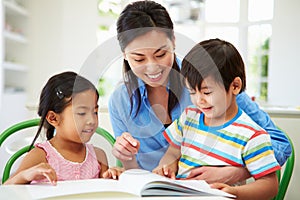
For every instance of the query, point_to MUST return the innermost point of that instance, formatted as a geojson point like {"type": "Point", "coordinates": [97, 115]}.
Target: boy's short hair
{"type": "Point", "coordinates": [216, 58]}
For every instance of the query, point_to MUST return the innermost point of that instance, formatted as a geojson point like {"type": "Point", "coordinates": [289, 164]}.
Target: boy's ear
{"type": "Point", "coordinates": [236, 85]}
{"type": "Point", "coordinates": [52, 118]}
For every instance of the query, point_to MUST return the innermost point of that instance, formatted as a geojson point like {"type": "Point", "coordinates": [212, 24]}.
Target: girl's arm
{"type": "Point", "coordinates": [102, 160]}
{"type": "Point", "coordinates": [34, 166]}
{"type": "Point", "coordinates": [263, 188]}
{"type": "Point", "coordinates": [106, 172]}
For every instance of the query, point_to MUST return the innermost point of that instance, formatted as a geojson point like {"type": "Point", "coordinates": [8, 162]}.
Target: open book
{"type": "Point", "coordinates": [145, 183]}
{"type": "Point", "coordinates": [135, 182]}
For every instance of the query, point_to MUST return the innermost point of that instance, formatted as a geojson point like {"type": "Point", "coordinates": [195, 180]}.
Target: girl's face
{"type": "Point", "coordinates": [212, 99]}
{"type": "Point", "coordinates": [151, 57]}
{"type": "Point", "coordinates": [79, 120]}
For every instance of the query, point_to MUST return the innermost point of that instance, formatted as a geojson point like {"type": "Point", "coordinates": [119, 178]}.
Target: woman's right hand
{"type": "Point", "coordinates": [125, 147]}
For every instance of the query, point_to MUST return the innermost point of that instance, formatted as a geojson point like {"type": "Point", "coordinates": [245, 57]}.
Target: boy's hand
{"type": "Point", "coordinates": [165, 170]}
{"type": "Point", "coordinates": [113, 173]}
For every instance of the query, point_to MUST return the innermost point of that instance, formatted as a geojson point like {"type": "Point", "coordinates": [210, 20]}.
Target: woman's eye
{"type": "Point", "coordinates": [81, 113]}
{"type": "Point", "coordinates": [161, 55]}
{"type": "Point", "coordinates": [206, 93]}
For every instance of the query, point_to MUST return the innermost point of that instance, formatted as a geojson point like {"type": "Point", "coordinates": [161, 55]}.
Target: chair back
{"type": "Point", "coordinates": [285, 174]}
{"type": "Point", "coordinates": [31, 123]}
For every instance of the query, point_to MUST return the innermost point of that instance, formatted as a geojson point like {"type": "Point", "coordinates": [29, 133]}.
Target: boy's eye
{"type": "Point", "coordinates": [206, 93]}
{"type": "Point", "coordinates": [138, 60]}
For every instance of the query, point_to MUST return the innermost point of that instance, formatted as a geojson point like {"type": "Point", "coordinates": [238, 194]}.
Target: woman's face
{"type": "Point", "coordinates": [151, 57]}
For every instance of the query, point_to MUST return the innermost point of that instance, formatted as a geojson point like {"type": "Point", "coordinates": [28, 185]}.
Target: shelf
{"type": "Point", "coordinates": [14, 9]}
{"type": "Point", "coordinates": [14, 66]}
{"type": "Point", "coordinates": [16, 37]}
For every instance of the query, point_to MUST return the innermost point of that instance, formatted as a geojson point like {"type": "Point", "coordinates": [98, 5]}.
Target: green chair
{"type": "Point", "coordinates": [284, 175]}
{"type": "Point", "coordinates": [31, 123]}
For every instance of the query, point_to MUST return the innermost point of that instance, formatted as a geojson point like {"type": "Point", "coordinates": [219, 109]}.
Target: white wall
{"type": "Point", "coordinates": [284, 68]}
{"type": "Point", "coordinates": [62, 34]}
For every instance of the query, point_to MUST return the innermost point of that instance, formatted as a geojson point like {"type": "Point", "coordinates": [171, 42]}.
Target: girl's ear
{"type": "Point", "coordinates": [236, 85]}
{"type": "Point", "coordinates": [52, 118]}
{"type": "Point", "coordinates": [124, 56]}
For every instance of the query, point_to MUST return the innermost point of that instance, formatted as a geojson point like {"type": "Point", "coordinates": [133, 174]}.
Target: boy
{"type": "Point", "coordinates": [215, 131]}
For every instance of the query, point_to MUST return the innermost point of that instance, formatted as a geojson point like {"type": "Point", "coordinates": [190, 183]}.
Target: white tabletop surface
{"type": "Point", "coordinates": [21, 192]}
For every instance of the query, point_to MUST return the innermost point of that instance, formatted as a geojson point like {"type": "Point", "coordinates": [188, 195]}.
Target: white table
{"type": "Point", "coordinates": [22, 192]}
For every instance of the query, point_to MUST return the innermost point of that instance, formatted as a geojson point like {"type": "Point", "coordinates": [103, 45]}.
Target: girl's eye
{"type": "Point", "coordinates": [81, 113]}
{"type": "Point", "coordinates": [96, 113]}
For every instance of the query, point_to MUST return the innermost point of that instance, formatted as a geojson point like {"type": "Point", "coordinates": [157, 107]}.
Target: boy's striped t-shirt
{"type": "Point", "coordinates": [239, 142]}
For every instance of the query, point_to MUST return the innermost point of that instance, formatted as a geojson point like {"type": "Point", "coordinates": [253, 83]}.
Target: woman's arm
{"type": "Point", "coordinates": [280, 142]}
{"type": "Point", "coordinates": [229, 174]}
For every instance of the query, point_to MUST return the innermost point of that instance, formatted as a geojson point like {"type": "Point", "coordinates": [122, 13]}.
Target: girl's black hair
{"type": "Point", "coordinates": [139, 18]}
{"type": "Point", "coordinates": [57, 95]}
{"type": "Point", "coordinates": [216, 58]}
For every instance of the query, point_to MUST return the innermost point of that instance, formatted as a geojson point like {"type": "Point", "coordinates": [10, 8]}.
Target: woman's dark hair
{"type": "Point", "coordinates": [137, 19]}
{"type": "Point", "coordinates": [216, 58]}
{"type": "Point", "coordinates": [57, 95]}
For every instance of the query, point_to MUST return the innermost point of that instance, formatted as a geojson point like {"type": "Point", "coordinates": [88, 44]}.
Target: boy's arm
{"type": "Point", "coordinates": [265, 187]}
{"type": "Point", "coordinates": [168, 164]}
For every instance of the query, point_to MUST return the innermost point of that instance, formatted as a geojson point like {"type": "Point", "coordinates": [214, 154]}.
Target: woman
{"type": "Point", "coordinates": [152, 96]}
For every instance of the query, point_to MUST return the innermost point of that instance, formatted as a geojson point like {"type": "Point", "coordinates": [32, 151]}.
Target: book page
{"type": "Point", "coordinates": [145, 183]}
{"type": "Point", "coordinates": [136, 179]}
{"type": "Point", "coordinates": [46, 190]}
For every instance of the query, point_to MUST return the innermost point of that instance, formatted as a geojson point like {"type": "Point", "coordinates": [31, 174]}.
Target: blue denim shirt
{"type": "Point", "coordinates": [145, 126]}
{"type": "Point", "coordinates": [280, 142]}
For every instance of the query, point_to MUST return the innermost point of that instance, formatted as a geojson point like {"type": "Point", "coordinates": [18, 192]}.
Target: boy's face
{"type": "Point", "coordinates": [212, 99]}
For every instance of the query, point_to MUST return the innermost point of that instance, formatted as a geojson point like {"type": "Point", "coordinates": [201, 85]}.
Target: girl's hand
{"type": "Point", "coordinates": [125, 147]}
{"type": "Point", "coordinates": [113, 173]}
{"type": "Point", "coordinates": [41, 171]}
{"type": "Point", "coordinates": [37, 172]}
{"type": "Point", "coordinates": [165, 170]}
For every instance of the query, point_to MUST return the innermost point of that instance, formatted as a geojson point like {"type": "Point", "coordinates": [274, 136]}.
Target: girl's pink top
{"type": "Point", "coordinates": [68, 170]}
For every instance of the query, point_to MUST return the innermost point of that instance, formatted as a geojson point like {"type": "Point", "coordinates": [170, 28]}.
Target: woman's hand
{"type": "Point", "coordinates": [125, 147]}
{"type": "Point", "coordinates": [37, 172]}
{"type": "Point", "coordinates": [113, 172]}
{"type": "Point", "coordinates": [228, 174]}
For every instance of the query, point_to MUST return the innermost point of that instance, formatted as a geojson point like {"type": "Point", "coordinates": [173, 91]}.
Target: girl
{"type": "Point", "coordinates": [69, 113]}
